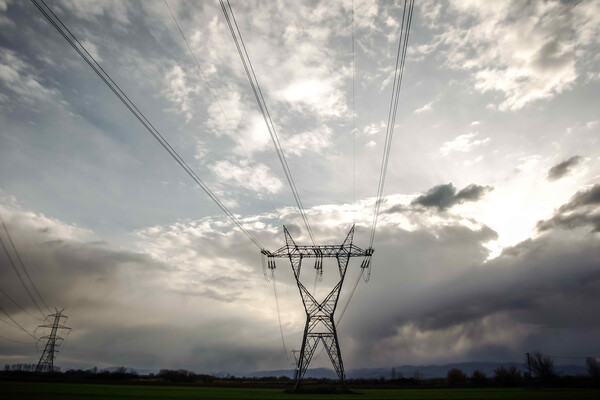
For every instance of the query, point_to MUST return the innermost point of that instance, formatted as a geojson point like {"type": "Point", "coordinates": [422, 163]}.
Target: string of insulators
{"type": "Point", "coordinates": [268, 264]}
{"type": "Point", "coordinates": [366, 264]}
{"type": "Point", "coordinates": [263, 257]}
{"type": "Point", "coordinates": [319, 266]}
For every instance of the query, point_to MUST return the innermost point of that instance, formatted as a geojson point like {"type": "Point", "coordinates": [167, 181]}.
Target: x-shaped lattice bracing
{"type": "Point", "coordinates": [320, 325]}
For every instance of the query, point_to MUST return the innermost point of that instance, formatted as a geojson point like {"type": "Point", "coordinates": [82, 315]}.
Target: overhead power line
{"type": "Point", "coordinates": [285, 351]}
{"type": "Point", "coordinates": [16, 323]}
{"type": "Point", "coordinates": [15, 341]}
{"type": "Point", "coordinates": [114, 87]}
{"type": "Point", "coordinates": [14, 266]}
{"type": "Point", "coordinates": [398, 72]}
{"type": "Point", "coordinates": [17, 304]}
{"type": "Point", "coordinates": [216, 99]}
{"type": "Point", "coordinates": [21, 263]}
{"type": "Point", "coordinates": [262, 105]}
{"type": "Point", "coordinates": [353, 122]}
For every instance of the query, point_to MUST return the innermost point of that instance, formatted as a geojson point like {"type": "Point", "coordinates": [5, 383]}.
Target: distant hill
{"type": "Point", "coordinates": [416, 371]}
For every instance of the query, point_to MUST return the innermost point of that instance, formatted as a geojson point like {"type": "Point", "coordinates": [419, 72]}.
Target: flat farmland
{"type": "Point", "coordinates": [48, 391]}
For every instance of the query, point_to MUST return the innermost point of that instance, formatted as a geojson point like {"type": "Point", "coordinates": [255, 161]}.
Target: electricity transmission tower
{"type": "Point", "coordinates": [46, 363]}
{"type": "Point", "coordinates": [320, 326]}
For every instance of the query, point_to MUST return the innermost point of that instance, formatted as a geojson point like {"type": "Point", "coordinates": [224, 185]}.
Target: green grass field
{"type": "Point", "coordinates": [48, 391]}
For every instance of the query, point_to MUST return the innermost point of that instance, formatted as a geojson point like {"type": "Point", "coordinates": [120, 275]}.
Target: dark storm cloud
{"type": "Point", "coordinates": [588, 197]}
{"type": "Point", "coordinates": [533, 289]}
{"type": "Point", "coordinates": [523, 280]}
{"type": "Point", "coordinates": [583, 209]}
{"type": "Point", "coordinates": [432, 288]}
{"type": "Point", "coordinates": [123, 306]}
{"type": "Point", "coordinates": [410, 263]}
{"type": "Point", "coordinates": [524, 297]}
{"type": "Point", "coordinates": [563, 168]}
{"type": "Point", "coordinates": [445, 196]}
{"type": "Point", "coordinates": [222, 347]}
{"type": "Point", "coordinates": [572, 221]}
{"type": "Point", "coordinates": [398, 208]}
{"type": "Point", "coordinates": [63, 268]}
{"type": "Point", "coordinates": [293, 229]}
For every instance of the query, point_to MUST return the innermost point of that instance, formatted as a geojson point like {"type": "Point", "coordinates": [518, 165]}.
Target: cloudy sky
{"type": "Point", "coordinates": [488, 241]}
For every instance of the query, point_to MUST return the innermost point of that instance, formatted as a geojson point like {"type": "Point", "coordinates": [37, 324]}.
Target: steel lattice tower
{"type": "Point", "coordinates": [320, 325]}
{"type": "Point", "coordinates": [46, 363]}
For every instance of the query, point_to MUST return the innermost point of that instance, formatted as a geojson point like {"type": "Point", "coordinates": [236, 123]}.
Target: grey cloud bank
{"type": "Point", "coordinates": [436, 297]}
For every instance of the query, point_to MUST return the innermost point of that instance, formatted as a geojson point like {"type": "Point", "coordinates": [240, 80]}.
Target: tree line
{"type": "Point", "coordinates": [540, 372]}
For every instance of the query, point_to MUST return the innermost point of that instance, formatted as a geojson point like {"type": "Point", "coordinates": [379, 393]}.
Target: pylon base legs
{"type": "Point", "coordinates": [310, 343]}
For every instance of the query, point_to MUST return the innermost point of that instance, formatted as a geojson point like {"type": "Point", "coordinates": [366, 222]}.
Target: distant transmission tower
{"type": "Point", "coordinates": [320, 326]}
{"type": "Point", "coordinates": [46, 363]}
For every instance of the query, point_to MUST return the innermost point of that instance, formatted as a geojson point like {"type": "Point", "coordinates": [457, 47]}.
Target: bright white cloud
{"type": "Point", "coordinates": [426, 107]}
{"type": "Point", "coordinates": [257, 178]}
{"type": "Point", "coordinates": [227, 121]}
{"type": "Point", "coordinates": [92, 10]}
{"type": "Point", "coordinates": [374, 129]}
{"type": "Point", "coordinates": [463, 143]}
{"type": "Point", "coordinates": [179, 91]}
{"type": "Point", "coordinates": [313, 141]}
{"type": "Point", "coordinates": [591, 124]}
{"type": "Point", "coordinates": [4, 20]}
{"type": "Point", "coordinates": [321, 95]}
{"type": "Point", "coordinates": [92, 49]}
{"type": "Point", "coordinates": [488, 41]}
{"type": "Point", "coordinates": [254, 135]}
{"type": "Point", "coordinates": [20, 79]}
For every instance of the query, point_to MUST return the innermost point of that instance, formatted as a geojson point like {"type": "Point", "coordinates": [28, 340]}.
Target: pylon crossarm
{"type": "Point", "coordinates": [52, 326]}
{"type": "Point", "coordinates": [319, 251]}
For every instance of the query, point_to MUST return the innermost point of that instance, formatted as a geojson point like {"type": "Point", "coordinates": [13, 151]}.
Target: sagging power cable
{"type": "Point", "coordinates": [353, 122]}
{"type": "Point", "coordinates": [398, 72]}
{"type": "Point", "coordinates": [18, 305]}
{"type": "Point", "coordinates": [279, 315]}
{"type": "Point", "coordinates": [114, 87]}
{"type": "Point", "coordinates": [362, 270]}
{"type": "Point", "coordinates": [14, 266]}
{"type": "Point", "coordinates": [216, 99]}
{"type": "Point", "coordinates": [249, 69]}
{"type": "Point", "coordinates": [16, 323]}
{"type": "Point", "coordinates": [21, 263]}
{"type": "Point", "coordinates": [15, 341]}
